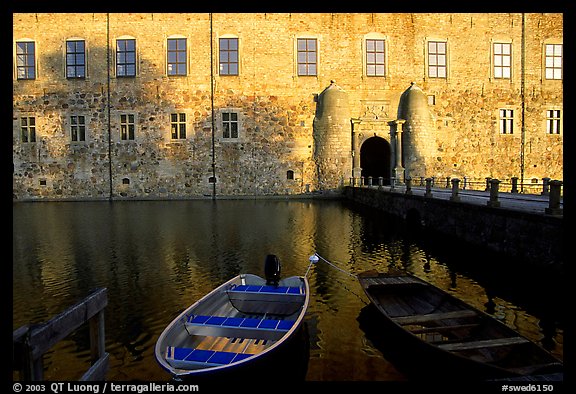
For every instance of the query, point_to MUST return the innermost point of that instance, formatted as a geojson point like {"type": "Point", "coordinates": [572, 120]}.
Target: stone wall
{"type": "Point", "coordinates": [275, 105]}
{"type": "Point", "coordinates": [534, 239]}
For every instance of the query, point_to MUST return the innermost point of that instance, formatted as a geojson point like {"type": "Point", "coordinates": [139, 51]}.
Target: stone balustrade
{"type": "Point", "coordinates": [550, 188]}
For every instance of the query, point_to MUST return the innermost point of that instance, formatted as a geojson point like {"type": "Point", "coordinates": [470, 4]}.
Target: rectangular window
{"type": "Point", "coordinates": [176, 56]}
{"type": "Point", "coordinates": [553, 61]}
{"type": "Point", "coordinates": [229, 125]}
{"type": "Point", "coordinates": [506, 121]}
{"type": "Point", "coordinates": [553, 121]}
{"type": "Point", "coordinates": [375, 58]}
{"type": "Point", "coordinates": [75, 59]}
{"type": "Point", "coordinates": [77, 128]}
{"type": "Point", "coordinates": [25, 60]}
{"type": "Point", "coordinates": [127, 127]}
{"type": "Point", "coordinates": [228, 56]}
{"type": "Point", "coordinates": [502, 60]}
{"type": "Point", "coordinates": [178, 126]}
{"type": "Point", "coordinates": [28, 128]}
{"type": "Point", "coordinates": [126, 58]}
{"type": "Point", "coordinates": [437, 63]}
{"type": "Point", "coordinates": [307, 56]}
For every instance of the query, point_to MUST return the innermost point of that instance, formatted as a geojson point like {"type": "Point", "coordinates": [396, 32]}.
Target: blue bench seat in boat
{"type": "Point", "coordinates": [267, 289]}
{"type": "Point", "coordinates": [277, 300]}
{"type": "Point", "coordinates": [238, 327]}
{"type": "Point", "coordinates": [196, 358]}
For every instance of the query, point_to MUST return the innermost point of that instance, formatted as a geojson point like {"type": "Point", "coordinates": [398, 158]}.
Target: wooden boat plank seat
{"type": "Point", "coordinates": [433, 317]}
{"type": "Point", "coordinates": [535, 369]}
{"type": "Point", "coordinates": [195, 358]}
{"type": "Point", "coordinates": [482, 344]}
{"type": "Point", "coordinates": [238, 327]}
{"type": "Point", "coordinates": [443, 328]}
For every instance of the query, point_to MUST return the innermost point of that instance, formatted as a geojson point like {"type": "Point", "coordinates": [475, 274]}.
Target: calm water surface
{"type": "Point", "coordinates": [158, 257]}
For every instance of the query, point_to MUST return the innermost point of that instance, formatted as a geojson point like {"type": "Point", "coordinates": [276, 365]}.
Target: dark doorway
{"type": "Point", "coordinates": [375, 159]}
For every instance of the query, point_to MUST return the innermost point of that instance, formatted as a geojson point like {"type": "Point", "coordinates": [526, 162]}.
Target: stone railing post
{"type": "Point", "coordinates": [447, 182]}
{"type": "Point", "coordinates": [408, 185]}
{"type": "Point", "coordinates": [514, 180]}
{"type": "Point", "coordinates": [465, 184]}
{"type": "Point", "coordinates": [380, 182]}
{"type": "Point", "coordinates": [455, 196]}
{"type": "Point", "coordinates": [428, 192]}
{"type": "Point", "coordinates": [493, 202]}
{"type": "Point", "coordinates": [392, 182]}
{"type": "Point", "coordinates": [362, 181]}
{"type": "Point", "coordinates": [488, 179]}
{"type": "Point", "coordinates": [545, 186]}
{"type": "Point", "coordinates": [369, 181]}
{"type": "Point", "coordinates": [554, 198]}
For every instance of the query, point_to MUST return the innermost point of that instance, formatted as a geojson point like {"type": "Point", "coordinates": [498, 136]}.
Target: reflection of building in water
{"type": "Point", "coordinates": [185, 105]}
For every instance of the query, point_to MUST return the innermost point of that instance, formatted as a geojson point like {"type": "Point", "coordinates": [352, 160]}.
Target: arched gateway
{"type": "Point", "coordinates": [375, 159]}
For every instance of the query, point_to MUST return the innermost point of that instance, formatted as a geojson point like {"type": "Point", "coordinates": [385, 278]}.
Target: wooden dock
{"type": "Point", "coordinates": [30, 342]}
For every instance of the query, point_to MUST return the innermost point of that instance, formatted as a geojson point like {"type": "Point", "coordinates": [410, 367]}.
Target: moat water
{"type": "Point", "coordinates": [158, 257]}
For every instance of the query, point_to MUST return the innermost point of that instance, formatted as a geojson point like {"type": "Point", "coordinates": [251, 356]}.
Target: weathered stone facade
{"type": "Point", "coordinates": [277, 150]}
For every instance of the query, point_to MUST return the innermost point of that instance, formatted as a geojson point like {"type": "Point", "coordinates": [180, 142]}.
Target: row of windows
{"type": "Point", "coordinates": [307, 58]}
{"type": "Point", "coordinates": [230, 125]}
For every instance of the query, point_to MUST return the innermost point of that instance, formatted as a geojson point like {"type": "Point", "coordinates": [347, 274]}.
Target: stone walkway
{"type": "Point", "coordinates": [533, 203]}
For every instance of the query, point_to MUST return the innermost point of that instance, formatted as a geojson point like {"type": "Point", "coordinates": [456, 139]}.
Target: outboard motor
{"type": "Point", "coordinates": [272, 270]}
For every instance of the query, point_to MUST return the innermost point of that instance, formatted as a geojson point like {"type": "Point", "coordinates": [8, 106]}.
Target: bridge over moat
{"type": "Point", "coordinates": [524, 227]}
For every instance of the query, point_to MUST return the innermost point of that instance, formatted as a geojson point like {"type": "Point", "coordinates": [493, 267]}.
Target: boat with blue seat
{"type": "Point", "coordinates": [241, 323]}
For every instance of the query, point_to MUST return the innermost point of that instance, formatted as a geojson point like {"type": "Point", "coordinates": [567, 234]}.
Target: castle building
{"type": "Point", "coordinates": [164, 105]}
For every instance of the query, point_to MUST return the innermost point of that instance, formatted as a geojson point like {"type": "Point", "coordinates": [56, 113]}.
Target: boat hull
{"type": "Point", "coordinates": [242, 327]}
{"type": "Point", "coordinates": [428, 332]}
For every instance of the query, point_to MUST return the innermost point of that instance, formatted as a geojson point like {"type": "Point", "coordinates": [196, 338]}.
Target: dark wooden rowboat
{"type": "Point", "coordinates": [237, 328]}
{"type": "Point", "coordinates": [450, 337]}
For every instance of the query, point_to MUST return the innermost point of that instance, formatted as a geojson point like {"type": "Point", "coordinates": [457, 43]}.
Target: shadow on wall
{"type": "Point", "coordinates": [161, 137]}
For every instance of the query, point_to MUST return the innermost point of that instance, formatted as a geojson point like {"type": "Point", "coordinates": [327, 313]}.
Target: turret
{"type": "Point", "coordinates": [332, 138]}
{"type": "Point", "coordinates": [419, 141]}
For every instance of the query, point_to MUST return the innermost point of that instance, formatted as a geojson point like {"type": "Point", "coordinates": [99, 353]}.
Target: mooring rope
{"type": "Point", "coordinates": [338, 268]}
{"type": "Point", "coordinates": [316, 257]}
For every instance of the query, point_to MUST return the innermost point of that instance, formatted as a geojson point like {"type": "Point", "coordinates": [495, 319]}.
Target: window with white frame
{"type": "Point", "coordinates": [230, 125]}
{"type": "Point", "coordinates": [75, 59]}
{"type": "Point", "coordinates": [28, 128]}
{"type": "Point", "coordinates": [437, 59]}
{"type": "Point", "coordinates": [502, 53]}
{"type": "Point", "coordinates": [25, 60]}
{"type": "Point", "coordinates": [228, 56]}
{"type": "Point", "coordinates": [126, 57]}
{"type": "Point", "coordinates": [176, 54]}
{"type": "Point", "coordinates": [506, 121]}
{"type": "Point", "coordinates": [553, 61]}
{"type": "Point", "coordinates": [307, 56]}
{"type": "Point", "coordinates": [127, 127]}
{"type": "Point", "coordinates": [178, 126]}
{"type": "Point", "coordinates": [553, 121]}
{"type": "Point", "coordinates": [375, 58]}
{"type": "Point", "coordinates": [78, 128]}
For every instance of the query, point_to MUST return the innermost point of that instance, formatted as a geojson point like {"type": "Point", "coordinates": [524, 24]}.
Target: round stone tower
{"type": "Point", "coordinates": [332, 138]}
{"type": "Point", "coordinates": [419, 140]}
